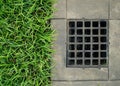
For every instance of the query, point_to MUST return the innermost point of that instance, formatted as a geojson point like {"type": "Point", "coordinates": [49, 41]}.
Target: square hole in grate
{"type": "Point", "coordinates": [103, 62]}
{"type": "Point", "coordinates": [103, 39]}
{"type": "Point", "coordinates": [79, 62]}
{"type": "Point", "coordinates": [87, 44]}
{"type": "Point", "coordinates": [71, 24]}
{"type": "Point", "coordinates": [87, 31]}
{"type": "Point", "coordinates": [79, 31]}
{"type": "Point", "coordinates": [95, 24]}
{"type": "Point", "coordinates": [71, 39]}
{"type": "Point", "coordinates": [71, 47]}
{"type": "Point", "coordinates": [95, 54]}
{"type": "Point", "coordinates": [103, 31]}
{"type": "Point", "coordinates": [95, 62]}
{"type": "Point", "coordinates": [103, 23]}
{"type": "Point", "coordinates": [79, 54]}
{"type": "Point", "coordinates": [79, 24]}
{"type": "Point", "coordinates": [71, 62]}
{"type": "Point", "coordinates": [103, 46]}
{"type": "Point", "coordinates": [95, 39]}
{"type": "Point", "coordinates": [87, 54]}
{"type": "Point", "coordinates": [103, 54]}
{"type": "Point", "coordinates": [79, 39]}
{"type": "Point", "coordinates": [95, 31]}
{"type": "Point", "coordinates": [87, 23]}
{"type": "Point", "coordinates": [87, 62]}
{"type": "Point", "coordinates": [72, 31]}
{"type": "Point", "coordinates": [79, 47]}
{"type": "Point", "coordinates": [72, 54]}
{"type": "Point", "coordinates": [95, 46]}
{"type": "Point", "coordinates": [87, 39]}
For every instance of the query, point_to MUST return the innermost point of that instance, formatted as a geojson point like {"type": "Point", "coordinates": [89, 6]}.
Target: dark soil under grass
{"type": "Point", "coordinates": [25, 42]}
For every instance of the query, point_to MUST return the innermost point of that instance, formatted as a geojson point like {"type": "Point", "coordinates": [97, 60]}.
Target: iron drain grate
{"type": "Point", "coordinates": [87, 43]}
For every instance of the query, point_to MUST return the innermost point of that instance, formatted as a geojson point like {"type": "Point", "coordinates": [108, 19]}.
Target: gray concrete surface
{"type": "Point", "coordinates": [61, 9]}
{"type": "Point", "coordinates": [114, 51]}
{"type": "Point", "coordinates": [86, 83]}
{"type": "Point", "coordinates": [114, 9]}
{"type": "Point", "coordinates": [88, 9]}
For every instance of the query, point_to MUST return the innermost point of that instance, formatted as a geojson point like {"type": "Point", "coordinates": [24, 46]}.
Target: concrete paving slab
{"type": "Point", "coordinates": [60, 72]}
{"type": "Point", "coordinates": [114, 49]}
{"type": "Point", "coordinates": [114, 9]}
{"type": "Point", "coordinates": [86, 83]}
{"type": "Point", "coordinates": [90, 9]}
{"type": "Point", "coordinates": [60, 9]}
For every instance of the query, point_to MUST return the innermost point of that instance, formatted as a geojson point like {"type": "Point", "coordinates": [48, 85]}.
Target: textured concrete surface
{"type": "Point", "coordinates": [61, 9]}
{"type": "Point", "coordinates": [90, 9]}
{"type": "Point", "coordinates": [114, 9]}
{"type": "Point", "coordinates": [114, 51]}
{"type": "Point", "coordinates": [86, 83]}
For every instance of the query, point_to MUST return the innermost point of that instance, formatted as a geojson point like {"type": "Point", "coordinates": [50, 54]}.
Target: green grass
{"type": "Point", "coordinates": [25, 42]}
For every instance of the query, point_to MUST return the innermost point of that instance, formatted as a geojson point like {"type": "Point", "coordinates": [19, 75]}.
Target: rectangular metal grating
{"type": "Point", "coordinates": [87, 43]}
